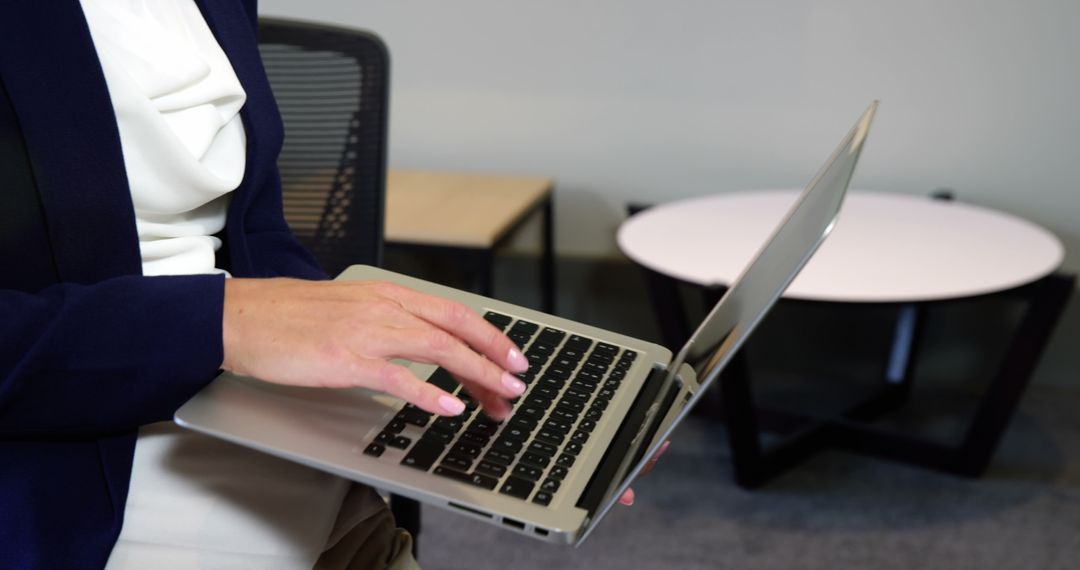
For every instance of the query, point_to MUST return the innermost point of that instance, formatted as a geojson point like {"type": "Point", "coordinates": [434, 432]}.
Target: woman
{"type": "Point", "coordinates": [99, 102]}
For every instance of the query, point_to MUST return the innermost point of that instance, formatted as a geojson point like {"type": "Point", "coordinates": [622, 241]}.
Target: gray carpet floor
{"type": "Point", "coordinates": [836, 511]}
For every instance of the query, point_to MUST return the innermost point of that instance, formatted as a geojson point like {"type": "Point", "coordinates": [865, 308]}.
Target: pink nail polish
{"type": "Point", "coordinates": [517, 361]}
{"type": "Point", "coordinates": [451, 405]}
{"type": "Point", "coordinates": [513, 384]}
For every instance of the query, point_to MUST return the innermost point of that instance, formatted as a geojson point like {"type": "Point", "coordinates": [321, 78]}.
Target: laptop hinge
{"type": "Point", "coordinates": [612, 460]}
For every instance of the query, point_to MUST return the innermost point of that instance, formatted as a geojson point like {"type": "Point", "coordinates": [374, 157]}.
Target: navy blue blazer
{"type": "Point", "coordinates": [89, 348]}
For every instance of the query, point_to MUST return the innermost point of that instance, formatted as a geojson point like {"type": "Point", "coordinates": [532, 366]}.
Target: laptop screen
{"type": "Point", "coordinates": [797, 237]}
{"type": "Point", "coordinates": [745, 303]}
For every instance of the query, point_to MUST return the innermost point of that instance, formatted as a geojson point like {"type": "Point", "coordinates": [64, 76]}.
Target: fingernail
{"type": "Point", "coordinates": [518, 362]}
{"type": "Point", "coordinates": [513, 384]}
{"type": "Point", "coordinates": [452, 404]}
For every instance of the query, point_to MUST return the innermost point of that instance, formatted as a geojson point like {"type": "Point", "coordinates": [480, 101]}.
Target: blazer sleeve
{"type": "Point", "coordinates": [107, 357]}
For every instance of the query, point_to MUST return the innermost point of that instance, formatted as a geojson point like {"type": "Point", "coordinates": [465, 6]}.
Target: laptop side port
{"type": "Point", "coordinates": [471, 510]}
{"type": "Point", "coordinates": [513, 523]}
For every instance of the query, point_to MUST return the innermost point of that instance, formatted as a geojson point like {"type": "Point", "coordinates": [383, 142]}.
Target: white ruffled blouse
{"type": "Point", "coordinates": [194, 502]}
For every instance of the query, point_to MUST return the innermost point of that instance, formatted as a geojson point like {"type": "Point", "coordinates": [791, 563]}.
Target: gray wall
{"type": "Point", "coordinates": [650, 101]}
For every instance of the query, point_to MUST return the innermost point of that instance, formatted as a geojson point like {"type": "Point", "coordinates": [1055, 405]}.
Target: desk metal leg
{"type": "Point", "coordinates": [547, 257]}
{"type": "Point", "coordinates": [1045, 301]}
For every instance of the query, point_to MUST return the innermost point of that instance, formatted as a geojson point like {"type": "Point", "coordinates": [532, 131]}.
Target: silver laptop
{"type": "Point", "coordinates": [598, 404]}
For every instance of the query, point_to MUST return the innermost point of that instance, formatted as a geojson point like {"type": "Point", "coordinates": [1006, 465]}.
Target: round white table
{"type": "Point", "coordinates": [884, 248]}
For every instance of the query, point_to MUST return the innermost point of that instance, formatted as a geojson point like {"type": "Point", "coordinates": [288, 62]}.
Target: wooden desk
{"type": "Point", "coordinates": [470, 216]}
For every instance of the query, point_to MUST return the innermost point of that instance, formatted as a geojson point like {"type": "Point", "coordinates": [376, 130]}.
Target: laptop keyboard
{"type": "Point", "coordinates": [571, 379]}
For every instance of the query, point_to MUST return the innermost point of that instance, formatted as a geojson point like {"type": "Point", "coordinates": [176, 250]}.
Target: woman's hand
{"type": "Point", "coordinates": [344, 334]}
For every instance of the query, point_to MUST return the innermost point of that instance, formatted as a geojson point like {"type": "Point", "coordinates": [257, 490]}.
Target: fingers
{"type": "Point", "coordinates": [398, 381]}
{"type": "Point", "coordinates": [627, 498]}
{"type": "Point", "coordinates": [419, 341]}
{"type": "Point", "coordinates": [465, 324]}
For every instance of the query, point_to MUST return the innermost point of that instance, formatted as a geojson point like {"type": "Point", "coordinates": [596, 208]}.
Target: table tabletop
{"type": "Point", "coordinates": [457, 209]}
{"type": "Point", "coordinates": [885, 247]}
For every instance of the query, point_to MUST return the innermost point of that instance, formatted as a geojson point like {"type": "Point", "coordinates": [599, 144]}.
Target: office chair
{"type": "Point", "coordinates": [332, 87]}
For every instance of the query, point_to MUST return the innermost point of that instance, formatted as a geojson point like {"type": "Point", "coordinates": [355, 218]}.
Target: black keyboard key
{"type": "Point", "coordinates": [562, 362]}
{"type": "Point", "coordinates": [526, 327]}
{"type": "Point", "coordinates": [526, 423]}
{"type": "Point", "coordinates": [499, 320]}
{"type": "Point", "coordinates": [374, 449]}
{"type": "Point", "coordinates": [515, 433]}
{"type": "Point", "coordinates": [476, 479]}
{"type": "Point", "coordinates": [558, 472]}
{"type": "Point", "coordinates": [565, 460]}
{"type": "Point", "coordinates": [536, 459]}
{"type": "Point", "coordinates": [441, 437]}
{"type": "Point", "coordinates": [551, 382]}
{"type": "Point", "coordinates": [559, 426]}
{"type": "Point", "coordinates": [448, 424]}
{"type": "Point", "coordinates": [571, 405]}
{"type": "Point", "coordinates": [538, 402]}
{"type": "Point", "coordinates": [489, 468]}
{"type": "Point", "coordinates": [580, 436]}
{"type": "Point", "coordinates": [601, 404]}
{"type": "Point", "coordinates": [540, 347]}
{"type": "Point", "coordinates": [550, 485]}
{"type": "Point", "coordinates": [617, 375]}
{"type": "Point", "coordinates": [475, 438]}
{"type": "Point", "coordinates": [605, 348]}
{"type": "Point", "coordinates": [629, 355]}
{"type": "Point", "coordinates": [573, 447]}
{"type": "Point", "coordinates": [577, 395]}
{"type": "Point", "coordinates": [423, 455]}
{"type": "Point", "coordinates": [443, 379]}
{"type": "Point", "coordinates": [583, 386]}
{"type": "Point", "coordinates": [564, 414]}
{"type": "Point", "coordinates": [507, 445]}
{"type": "Point", "coordinates": [542, 498]}
{"type": "Point", "coordinates": [415, 416]}
{"type": "Point", "coordinates": [587, 425]}
{"type": "Point", "coordinates": [546, 391]}
{"type": "Point", "coordinates": [594, 368]}
{"type": "Point", "coordinates": [528, 472]}
{"type": "Point", "coordinates": [549, 436]}
{"type": "Point", "coordinates": [466, 449]}
{"type": "Point", "coordinates": [530, 411]}
{"type": "Point", "coordinates": [543, 448]}
{"type": "Point", "coordinates": [590, 376]}
{"type": "Point", "coordinates": [517, 487]}
{"type": "Point", "coordinates": [623, 365]}
{"type": "Point", "coordinates": [594, 413]}
{"type": "Point", "coordinates": [400, 442]}
{"type": "Point", "coordinates": [560, 372]}
{"type": "Point", "coordinates": [612, 384]}
{"type": "Point", "coordinates": [384, 437]}
{"type": "Point", "coordinates": [519, 338]}
{"type": "Point", "coordinates": [458, 462]}
{"type": "Point", "coordinates": [500, 457]}
{"type": "Point", "coordinates": [605, 394]}
{"type": "Point", "coordinates": [395, 426]}
{"type": "Point", "coordinates": [579, 342]}
{"type": "Point", "coordinates": [570, 353]}
{"type": "Point", "coordinates": [551, 336]}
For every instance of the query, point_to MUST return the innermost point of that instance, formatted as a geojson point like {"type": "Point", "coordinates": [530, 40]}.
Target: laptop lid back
{"type": "Point", "coordinates": [749, 298]}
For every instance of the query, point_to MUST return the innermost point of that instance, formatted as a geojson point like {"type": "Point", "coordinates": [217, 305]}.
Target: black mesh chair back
{"type": "Point", "coordinates": [332, 86]}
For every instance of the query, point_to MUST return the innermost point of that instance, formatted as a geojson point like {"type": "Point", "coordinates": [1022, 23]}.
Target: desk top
{"type": "Point", "coordinates": [884, 248]}
{"type": "Point", "coordinates": [457, 209]}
